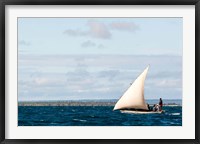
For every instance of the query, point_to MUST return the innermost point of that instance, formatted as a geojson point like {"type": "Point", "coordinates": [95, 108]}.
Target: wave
{"type": "Point", "coordinates": [80, 120]}
{"type": "Point", "coordinates": [175, 114]}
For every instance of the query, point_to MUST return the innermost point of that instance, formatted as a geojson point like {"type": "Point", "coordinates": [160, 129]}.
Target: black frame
{"type": "Point", "coordinates": [3, 3]}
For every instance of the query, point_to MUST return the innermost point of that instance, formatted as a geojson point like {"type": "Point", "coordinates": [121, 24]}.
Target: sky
{"type": "Point", "coordinates": [98, 58]}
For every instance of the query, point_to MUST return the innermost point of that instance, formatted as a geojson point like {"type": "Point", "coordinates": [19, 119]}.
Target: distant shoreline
{"type": "Point", "coordinates": [78, 103]}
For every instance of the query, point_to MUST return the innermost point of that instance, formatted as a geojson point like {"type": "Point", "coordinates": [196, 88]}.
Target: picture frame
{"type": "Point", "coordinates": [97, 2]}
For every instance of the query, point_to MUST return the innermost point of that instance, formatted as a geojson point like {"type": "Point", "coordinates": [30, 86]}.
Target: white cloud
{"type": "Point", "coordinates": [169, 83]}
{"type": "Point", "coordinates": [95, 30]}
{"type": "Point", "coordinates": [91, 44]}
{"type": "Point", "coordinates": [95, 76]}
{"type": "Point", "coordinates": [98, 30]}
{"type": "Point", "coordinates": [88, 44]}
{"type": "Point", "coordinates": [124, 26]}
{"type": "Point", "coordinates": [76, 32]}
{"type": "Point", "coordinates": [41, 81]}
{"type": "Point", "coordinates": [101, 46]}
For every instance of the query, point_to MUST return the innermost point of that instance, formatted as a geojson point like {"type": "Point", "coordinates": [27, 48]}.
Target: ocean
{"type": "Point", "coordinates": [96, 116]}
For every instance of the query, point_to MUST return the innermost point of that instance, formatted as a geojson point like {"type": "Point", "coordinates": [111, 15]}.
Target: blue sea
{"type": "Point", "coordinates": [94, 116]}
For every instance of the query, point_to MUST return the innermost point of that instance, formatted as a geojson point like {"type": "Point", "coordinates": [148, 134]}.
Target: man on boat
{"type": "Point", "coordinates": [160, 103]}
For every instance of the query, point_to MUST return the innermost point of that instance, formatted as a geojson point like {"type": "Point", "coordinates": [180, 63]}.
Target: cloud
{"type": "Point", "coordinates": [166, 74]}
{"type": "Point", "coordinates": [88, 44]}
{"type": "Point", "coordinates": [98, 30]}
{"type": "Point", "coordinates": [77, 74]}
{"type": "Point", "coordinates": [101, 46]}
{"type": "Point", "coordinates": [124, 26]}
{"type": "Point", "coordinates": [173, 83]}
{"type": "Point", "coordinates": [110, 74]}
{"type": "Point", "coordinates": [41, 81]}
{"type": "Point", "coordinates": [71, 32]}
{"type": "Point", "coordinates": [95, 76]}
{"type": "Point", "coordinates": [24, 43]}
{"type": "Point", "coordinates": [95, 30]}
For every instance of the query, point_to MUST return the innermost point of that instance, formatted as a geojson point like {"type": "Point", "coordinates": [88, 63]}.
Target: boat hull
{"type": "Point", "coordinates": [141, 112]}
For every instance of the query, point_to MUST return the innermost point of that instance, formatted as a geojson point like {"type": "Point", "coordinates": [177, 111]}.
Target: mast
{"type": "Point", "coordinates": [134, 96]}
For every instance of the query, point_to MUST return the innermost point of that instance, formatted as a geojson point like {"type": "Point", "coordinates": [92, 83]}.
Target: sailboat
{"type": "Point", "coordinates": [132, 101]}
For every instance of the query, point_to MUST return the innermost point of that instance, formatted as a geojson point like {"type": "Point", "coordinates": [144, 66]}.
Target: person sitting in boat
{"type": "Point", "coordinates": [160, 103]}
{"type": "Point", "coordinates": [158, 108]}
{"type": "Point", "coordinates": [148, 107]}
{"type": "Point", "coordinates": [154, 108]}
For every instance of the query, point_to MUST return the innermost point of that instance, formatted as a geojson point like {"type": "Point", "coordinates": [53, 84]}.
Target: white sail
{"type": "Point", "coordinates": [134, 96]}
